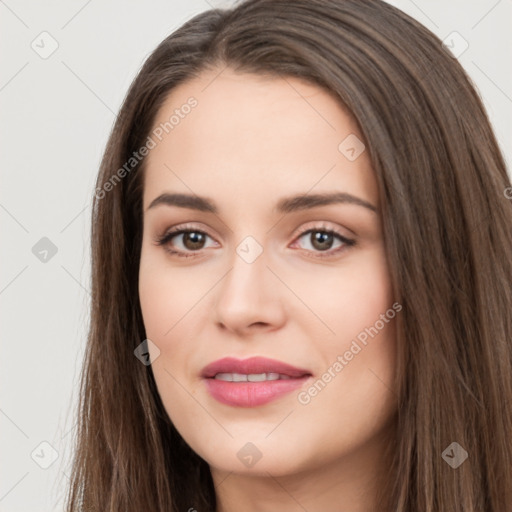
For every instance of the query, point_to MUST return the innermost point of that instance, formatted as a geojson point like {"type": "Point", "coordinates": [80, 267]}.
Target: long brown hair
{"type": "Point", "coordinates": [447, 227]}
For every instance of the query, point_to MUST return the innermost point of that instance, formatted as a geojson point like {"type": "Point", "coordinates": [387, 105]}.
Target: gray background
{"type": "Point", "coordinates": [56, 114]}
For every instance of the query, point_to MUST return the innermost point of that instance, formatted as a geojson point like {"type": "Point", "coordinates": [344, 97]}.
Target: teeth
{"type": "Point", "coordinates": [252, 377]}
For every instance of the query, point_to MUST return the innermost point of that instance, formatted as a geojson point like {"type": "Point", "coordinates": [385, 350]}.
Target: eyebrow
{"type": "Point", "coordinates": [285, 205]}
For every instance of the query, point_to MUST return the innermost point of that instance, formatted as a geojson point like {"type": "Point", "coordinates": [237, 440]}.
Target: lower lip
{"type": "Point", "coordinates": [251, 394]}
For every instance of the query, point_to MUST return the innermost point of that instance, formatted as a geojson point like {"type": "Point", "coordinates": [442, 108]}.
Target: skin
{"type": "Point", "coordinates": [249, 142]}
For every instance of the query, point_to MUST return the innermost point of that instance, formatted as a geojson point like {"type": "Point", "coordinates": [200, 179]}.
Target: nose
{"type": "Point", "coordinates": [249, 298]}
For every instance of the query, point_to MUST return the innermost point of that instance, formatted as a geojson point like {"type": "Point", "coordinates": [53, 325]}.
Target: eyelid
{"type": "Point", "coordinates": [346, 242]}
{"type": "Point", "coordinates": [309, 227]}
{"type": "Point", "coordinates": [186, 226]}
{"type": "Point", "coordinates": [179, 229]}
{"type": "Point", "coordinates": [320, 225]}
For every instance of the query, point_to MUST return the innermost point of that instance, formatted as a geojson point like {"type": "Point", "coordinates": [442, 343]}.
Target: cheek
{"type": "Point", "coordinates": [167, 295]}
{"type": "Point", "coordinates": [355, 397]}
{"type": "Point", "coordinates": [166, 300]}
{"type": "Point", "coordinates": [173, 318]}
{"type": "Point", "coordinates": [368, 296]}
{"type": "Point", "coordinates": [360, 355]}
{"type": "Point", "coordinates": [347, 299]}
{"type": "Point", "coordinates": [367, 335]}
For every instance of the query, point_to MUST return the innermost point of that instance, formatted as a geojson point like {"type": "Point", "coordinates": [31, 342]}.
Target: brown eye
{"type": "Point", "coordinates": [321, 240]}
{"type": "Point", "coordinates": [193, 240]}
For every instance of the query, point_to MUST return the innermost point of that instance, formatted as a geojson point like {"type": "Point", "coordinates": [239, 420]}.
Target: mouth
{"type": "Point", "coordinates": [254, 367]}
{"type": "Point", "coordinates": [251, 382]}
{"type": "Point", "coordinates": [251, 377]}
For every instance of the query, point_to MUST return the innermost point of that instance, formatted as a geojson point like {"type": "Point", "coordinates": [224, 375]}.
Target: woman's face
{"type": "Point", "coordinates": [254, 157]}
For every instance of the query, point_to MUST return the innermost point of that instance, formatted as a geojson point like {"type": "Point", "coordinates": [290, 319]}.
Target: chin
{"type": "Point", "coordinates": [258, 457]}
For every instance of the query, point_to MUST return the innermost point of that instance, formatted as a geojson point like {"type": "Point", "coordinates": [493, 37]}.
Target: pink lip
{"type": "Point", "coordinates": [252, 394]}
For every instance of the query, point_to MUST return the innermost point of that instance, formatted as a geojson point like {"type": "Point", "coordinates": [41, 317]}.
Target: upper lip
{"type": "Point", "coordinates": [252, 365]}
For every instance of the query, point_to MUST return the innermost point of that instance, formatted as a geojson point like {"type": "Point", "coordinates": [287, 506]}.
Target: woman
{"type": "Point", "coordinates": [301, 275]}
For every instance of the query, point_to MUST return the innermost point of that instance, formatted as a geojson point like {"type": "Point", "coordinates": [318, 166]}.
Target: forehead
{"type": "Point", "coordinates": [252, 133]}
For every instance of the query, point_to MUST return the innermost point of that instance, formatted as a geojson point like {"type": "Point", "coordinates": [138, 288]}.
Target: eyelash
{"type": "Point", "coordinates": [179, 230]}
